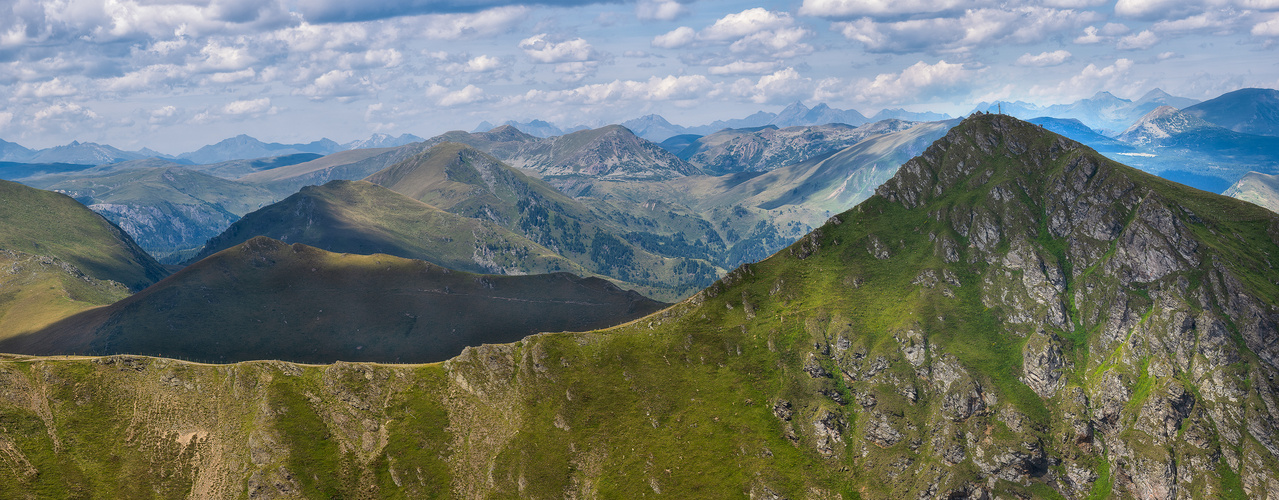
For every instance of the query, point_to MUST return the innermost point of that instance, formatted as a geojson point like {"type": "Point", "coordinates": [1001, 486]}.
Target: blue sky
{"type": "Point", "coordinates": [173, 75]}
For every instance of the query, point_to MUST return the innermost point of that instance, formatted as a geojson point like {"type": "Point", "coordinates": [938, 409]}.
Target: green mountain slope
{"type": "Point", "coordinates": [465, 181]}
{"type": "Point", "coordinates": [36, 291]}
{"type": "Point", "coordinates": [169, 211]}
{"type": "Point", "coordinates": [363, 218]}
{"type": "Point", "coordinates": [1011, 316]}
{"type": "Point", "coordinates": [44, 223]}
{"type": "Point", "coordinates": [1257, 188]}
{"type": "Point", "coordinates": [353, 164]}
{"type": "Point", "coordinates": [268, 300]}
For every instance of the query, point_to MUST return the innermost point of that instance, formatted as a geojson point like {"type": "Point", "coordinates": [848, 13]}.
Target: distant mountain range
{"type": "Point", "coordinates": [1250, 111]}
{"type": "Point", "coordinates": [1103, 111]}
{"type": "Point", "coordinates": [658, 129]}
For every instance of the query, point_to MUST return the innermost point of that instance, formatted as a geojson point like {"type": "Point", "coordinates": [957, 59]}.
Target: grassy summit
{"type": "Point", "coordinates": [1012, 315]}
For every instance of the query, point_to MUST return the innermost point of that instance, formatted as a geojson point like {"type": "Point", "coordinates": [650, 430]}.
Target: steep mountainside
{"type": "Point", "coordinates": [764, 149]}
{"type": "Point", "coordinates": [169, 211]}
{"type": "Point", "coordinates": [1159, 124]}
{"type": "Point", "coordinates": [465, 181]}
{"type": "Point", "coordinates": [14, 152]}
{"type": "Point", "coordinates": [363, 218]}
{"type": "Point", "coordinates": [609, 153]}
{"type": "Point", "coordinates": [48, 224]}
{"type": "Point", "coordinates": [1011, 316]}
{"type": "Point", "coordinates": [1257, 188]}
{"type": "Point", "coordinates": [1251, 111]}
{"type": "Point", "coordinates": [37, 290]}
{"type": "Point", "coordinates": [265, 299]}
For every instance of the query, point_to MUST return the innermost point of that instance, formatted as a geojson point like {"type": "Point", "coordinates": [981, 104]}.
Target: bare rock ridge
{"type": "Point", "coordinates": [1012, 315]}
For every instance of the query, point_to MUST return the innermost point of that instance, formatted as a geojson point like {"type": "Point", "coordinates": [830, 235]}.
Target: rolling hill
{"type": "Point", "coordinates": [363, 218]}
{"type": "Point", "coordinates": [1012, 315]}
{"type": "Point", "coordinates": [264, 299]}
{"type": "Point", "coordinates": [354, 164]}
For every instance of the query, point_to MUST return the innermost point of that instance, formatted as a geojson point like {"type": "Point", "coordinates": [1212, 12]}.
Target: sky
{"type": "Point", "coordinates": [173, 75]}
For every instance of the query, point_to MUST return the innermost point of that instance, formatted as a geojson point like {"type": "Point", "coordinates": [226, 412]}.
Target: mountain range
{"type": "Point", "coordinates": [1010, 315]}
{"type": "Point", "coordinates": [1103, 111]}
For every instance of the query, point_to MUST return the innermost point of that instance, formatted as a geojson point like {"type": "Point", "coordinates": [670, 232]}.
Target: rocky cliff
{"type": "Point", "coordinates": [1011, 316]}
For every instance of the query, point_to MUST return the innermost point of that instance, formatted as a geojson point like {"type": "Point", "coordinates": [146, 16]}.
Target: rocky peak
{"type": "Point", "coordinates": [1161, 123]}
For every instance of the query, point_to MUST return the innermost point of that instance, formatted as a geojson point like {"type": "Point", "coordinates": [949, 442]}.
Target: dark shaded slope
{"type": "Point", "coordinates": [268, 300]}
{"type": "Point", "coordinates": [363, 218]}
{"type": "Point", "coordinates": [1251, 111]}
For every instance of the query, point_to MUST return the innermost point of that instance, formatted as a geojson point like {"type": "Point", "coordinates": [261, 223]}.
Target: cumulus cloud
{"type": "Point", "coordinates": [853, 8]}
{"type": "Point", "coordinates": [676, 38]}
{"type": "Point", "coordinates": [744, 68]}
{"type": "Point", "coordinates": [1269, 27]}
{"type": "Point", "coordinates": [44, 90]}
{"type": "Point", "coordinates": [1106, 33]}
{"type": "Point", "coordinates": [1139, 41]}
{"type": "Point", "coordinates": [756, 32]}
{"type": "Point", "coordinates": [247, 107]}
{"type": "Point", "coordinates": [486, 23]}
{"type": "Point", "coordinates": [163, 116]}
{"type": "Point", "coordinates": [781, 86]}
{"type": "Point", "coordinates": [477, 64]}
{"type": "Point", "coordinates": [1043, 59]}
{"type": "Point", "coordinates": [660, 10]}
{"type": "Point", "coordinates": [919, 82]}
{"type": "Point", "coordinates": [668, 88]}
{"type": "Point", "coordinates": [1090, 80]}
{"type": "Point", "coordinates": [978, 27]}
{"type": "Point", "coordinates": [466, 95]}
{"type": "Point", "coordinates": [343, 85]}
{"type": "Point", "coordinates": [63, 117]}
{"type": "Point", "coordinates": [337, 11]}
{"type": "Point", "coordinates": [542, 50]}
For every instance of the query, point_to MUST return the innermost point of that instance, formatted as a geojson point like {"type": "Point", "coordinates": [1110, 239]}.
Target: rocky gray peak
{"type": "Point", "coordinates": [1161, 123]}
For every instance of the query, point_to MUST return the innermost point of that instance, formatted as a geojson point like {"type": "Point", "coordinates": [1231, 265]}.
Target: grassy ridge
{"type": "Point", "coordinates": [50, 224]}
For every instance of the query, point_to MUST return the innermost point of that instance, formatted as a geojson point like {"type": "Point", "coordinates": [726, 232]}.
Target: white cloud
{"type": "Point", "coordinates": [1208, 21]}
{"type": "Point", "coordinates": [654, 89]}
{"type": "Point", "coordinates": [1105, 34]}
{"type": "Point", "coordinates": [343, 85]}
{"type": "Point", "coordinates": [466, 95]}
{"type": "Point", "coordinates": [852, 8]}
{"type": "Point", "coordinates": [543, 50]}
{"type": "Point", "coordinates": [1269, 27]}
{"type": "Point", "coordinates": [977, 27]}
{"type": "Point", "coordinates": [480, 24]}
{"type": "Point", "coordinates": [1090, 80]}
{"type": "Point", "coordinates": [1053, 58]}
{"type": "Point", "coordinates": [378, 58]}
{"type": "Point", "coordinates": [218, 58]}
{"type": "Point", "coordinates": [675, 39]}
{"type": "Point", "coordinates": [163, 116]}
{"type": "Point", "coordinates": [757, 33]}
{"type": "Point", "coordinates": [1140, 41]}
{"type": "Point", "coordinates": [660, 10]}
{"type": "Point", "coordinates": [1147, 8]}
{"type": "Point", "coordinates": [63, 117]}
{"type": "Point", "coordinates": [248, 107]}
{"type": "Point", "coordinates": [43, 90]}
{"type": "Point", "coordinates": [917, 82]}
{"type": "Point", "coordinates": [747, 22]}
{"type": "Point", "coordinates": [243, 75]}
{"type": "Point", "coordinates": [477, 64]}
{"type": "Point", "coordinates": [781, 86]}
{"type": "Point", "coordinates": [744, 68]}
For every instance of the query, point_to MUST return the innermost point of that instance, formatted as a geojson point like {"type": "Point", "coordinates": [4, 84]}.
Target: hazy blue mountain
{"type": "Point", "coordinates": [243, 147]}
{"type": "Point", "coordinates": [653, 127]}
{"type": "Point", "coordinates": [901, 114]}
{"type": "Point", "coordinates": [88, 153]}
{"type": "Point", "coordinates": [1251, 111]}
{"type": "Point", "coordinates": [13, 152]}
{"type": "Point", "coordinates": [383, 141]}
{"type": "Point", "coordinates": [678, 143]}
{"type": "Point", "coordinates": [1081, 133]}
{"type": "Point", "coordinates": [15, 170]}
{"type": "Point", "coordinates": [1103, 112]}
